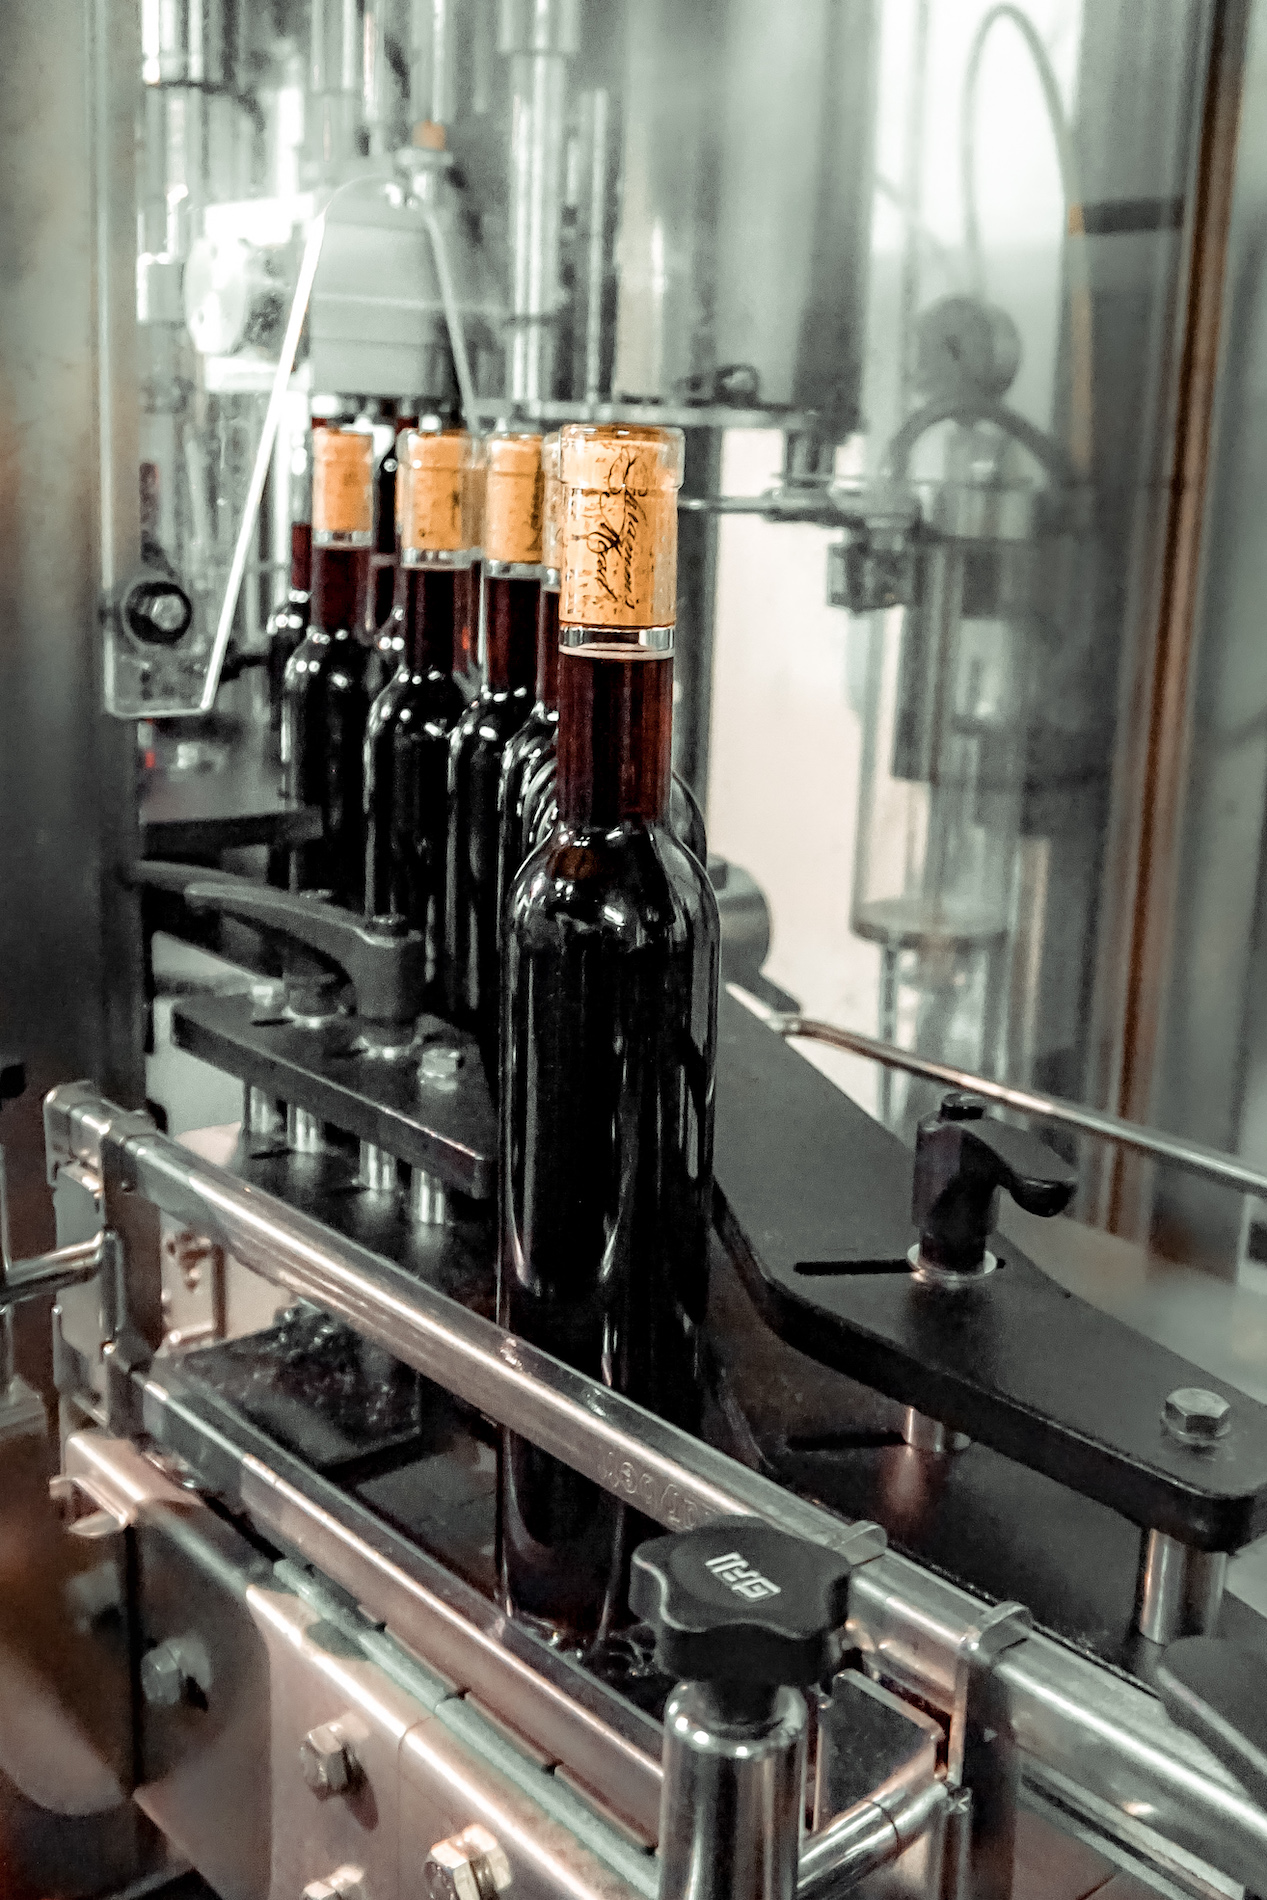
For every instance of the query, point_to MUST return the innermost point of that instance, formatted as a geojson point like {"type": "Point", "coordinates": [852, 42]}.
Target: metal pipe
{"type": "Point", "coordinates": [1178, 1590]}
{"type": "Point", "coordinates": [428, 1201]}
{"type": "Point", "coordinates": [1100, 1739]}
{"type": "Point", "coordinates": [539, 39]}
{"type": "Point", "coordinates": [377, 1169]}
{"type": "Point", "coordinates": [865, 1838]}
{"type": "Point", "coordinates": [303, 1130]}
{"type": "Point", "coordinates": [1194, 1156]}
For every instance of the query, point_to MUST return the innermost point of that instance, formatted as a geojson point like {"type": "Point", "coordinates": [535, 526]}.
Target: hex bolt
{"type": "Point", "coordinates": [471, 1865]}
{"type": "Point", "coordinates": [326, 1762]}
{"type": "Point", "coordinates": [172, 1668]}
{"type": "Point", "coordinates": [345, 1883]}
{"type": "Point", "coordinates": [440, 1066]}
{"type": "Point", "coordinates": [1196, 1417]}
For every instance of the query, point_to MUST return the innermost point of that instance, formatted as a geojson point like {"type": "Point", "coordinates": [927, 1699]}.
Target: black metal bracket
{"type": "Point", "coordinates": [445, 1125]}
{"type": "Point", "coordinates": [814, 1201]}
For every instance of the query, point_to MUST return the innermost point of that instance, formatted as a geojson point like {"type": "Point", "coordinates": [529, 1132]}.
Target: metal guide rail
{"type": "Point", "coordinates": [1100, 1743]}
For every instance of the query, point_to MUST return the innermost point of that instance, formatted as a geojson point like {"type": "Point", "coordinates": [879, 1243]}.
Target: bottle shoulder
{"type": "Point", "coordinates": [634, 883]}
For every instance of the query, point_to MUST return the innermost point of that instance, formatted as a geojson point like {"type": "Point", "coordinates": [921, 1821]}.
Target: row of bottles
{"type": "Point", "coordinates": [535, 835]}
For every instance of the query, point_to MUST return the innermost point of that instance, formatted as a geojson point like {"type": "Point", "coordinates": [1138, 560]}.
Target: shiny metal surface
{"type": "Point", "coordinates": [929, 1434]}
{"type": "Point", "coordinates": [1102, 1739]}
{"type": "Point", "coordinates": [262, 1116]}
{"type": "Point", "coordinates": [304, 1135]}
{"type": "Point", "coordinates": [1193, 1156]}
{"type": "Point", "coordinates": [734, 1797]}
{"type": "Point", "coordinates": [538, 39]}
{"type": "Point", "coordinates": [871, 1835]}
{"type": "Point", "coordinates": [376, 1169]}
{"type": "Point", "coordinates": [1178, 1591]}
{"type": "Point", "coordinates": [428, 1199]}
{"type": "Point", "coordinates": [69, 935]}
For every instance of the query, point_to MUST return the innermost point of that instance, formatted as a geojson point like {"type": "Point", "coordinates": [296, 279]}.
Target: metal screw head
{"type": "Point", "coordinates": [471, 1865]}
{"type": "Point", "coordinates": [162, 1678]}
{"type": "Point", "coordinates": [325, 1761]}
{"type": "Point", "coordinates": [440, 1065]}
{"type": "Point", "coordinates": [1196, 1417]}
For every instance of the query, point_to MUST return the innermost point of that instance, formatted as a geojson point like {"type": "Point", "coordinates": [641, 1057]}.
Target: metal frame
{"type": "Point", "coordinates": [1094, 1736]}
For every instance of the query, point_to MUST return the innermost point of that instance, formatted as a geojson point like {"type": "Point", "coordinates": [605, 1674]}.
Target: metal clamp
{"type": "Point", "coordinates": [981, 1770]}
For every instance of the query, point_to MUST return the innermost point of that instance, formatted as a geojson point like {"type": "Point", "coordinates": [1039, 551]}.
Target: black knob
{"type": "Point", "coordinates": [962, 1159]}
{"type": "Point", "coordinates": [737, 1601]}
{"type": "Point", "coordinates": [1218, 1690]}
{"type": "Point", "coordinates": [12, 1078]}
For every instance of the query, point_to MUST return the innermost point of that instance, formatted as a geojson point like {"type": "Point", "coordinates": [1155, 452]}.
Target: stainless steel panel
{"type": "Point", "coordinates": [69, 522]}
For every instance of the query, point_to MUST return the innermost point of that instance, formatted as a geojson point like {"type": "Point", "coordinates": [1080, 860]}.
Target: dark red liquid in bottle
{"type": "Point", "coordinates": [324, 709]}
{"type": "Point", "coordinates": [606, 1120]}
{"type": "Point", "coordinates": [407, 743]}
{"type": "Point", "coordinates": [531, 746]}
{"type": "Point", "coordinates": [472, 949]}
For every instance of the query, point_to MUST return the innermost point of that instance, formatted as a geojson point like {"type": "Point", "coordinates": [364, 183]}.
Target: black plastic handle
{"type": "Point", "coordinates": [383, 959]}
{"type": "Point", "coordinates": [1219, 1691]}
{"type": "Point", "coordinates": [739, 1602]}
{"type": "Point", "coordinates": [962, 1159]}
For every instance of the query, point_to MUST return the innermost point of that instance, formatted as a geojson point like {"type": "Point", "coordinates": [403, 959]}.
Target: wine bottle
{"type": "Point", "coordinates": [288, 623]}
{"type": "Point", "coordinates": [511, 541]}
{"type": "Point", "coordinates": [609, 1011]}
{"type": "Point", "coordinates": [539, 810]}
{"type": "Point", "coordinates": [533, 744]}
{"type": "Point", "coordinates": [323, 700]}
{"type": "Point", "coordinates": [387, 517]}
{"type": "Point", "coordinates": [411, 722]}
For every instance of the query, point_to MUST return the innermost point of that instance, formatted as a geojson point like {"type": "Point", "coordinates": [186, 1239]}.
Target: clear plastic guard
{"type": "Point", "coordinates": [225, 465]}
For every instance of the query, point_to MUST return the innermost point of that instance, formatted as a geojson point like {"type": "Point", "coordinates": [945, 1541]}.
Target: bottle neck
{"type": "Point", "coordinates": [548, 650]}
{"type": "Point", "coordinates": [340, 589]}
{"type": "Point", "coordinates": [615, 731]}
{"type": "Point", "coordinates": [301, 558]}
{"type": "Point", "coordinates": [510, 633]}
{"type": "Point", "coordinates": [430, 606]}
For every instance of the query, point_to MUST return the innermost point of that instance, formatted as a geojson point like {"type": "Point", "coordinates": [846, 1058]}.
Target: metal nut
{"type": "Point", "coordinates": [326, 1762]}
{"type": "Point", "coordinates": [1196, 1417]}
{"type": "Point", "coordinates": [471, 1865]}
{"type": "Point", "coordinates": [172, 1669]}
{"type": "Point", "coordinates": [345, 1883]}
{"type": "Point", "coordinates": [440, 1066]}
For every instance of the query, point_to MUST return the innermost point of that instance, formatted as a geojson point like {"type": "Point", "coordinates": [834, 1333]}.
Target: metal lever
{"type": "Point", "coordinates": [383, 959]}
{"type": "Point", "coordinates": [962, 1160]}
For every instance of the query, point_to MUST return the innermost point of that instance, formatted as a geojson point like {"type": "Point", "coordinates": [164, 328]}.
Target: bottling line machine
{"type": "Point", "coordinates": [952, 1591]}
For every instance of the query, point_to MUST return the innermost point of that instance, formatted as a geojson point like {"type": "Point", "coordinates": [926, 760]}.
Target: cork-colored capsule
{"type": "Point", "coordinates": [437, 496]}
{"type": "Point", "coordinates": [513, 496]}
{"type": "Point", "coordinates": [342, 487]}
{"type": "Point", "coordinates": [551, 508]}
{"type": "Point", "coordinates": [619, 525]}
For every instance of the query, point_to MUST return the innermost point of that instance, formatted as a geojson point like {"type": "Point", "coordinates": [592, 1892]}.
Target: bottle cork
{"type": "Point", "coordinates": [551, 508]}
{"type": "Point", "coordinates": [513, 496]}
{"type": "Point", "coordinates": [619, 525]}
{"type": "Point", "coordinates": [343, 485]}
{"type": "Point", "coordinates": [435, 493]}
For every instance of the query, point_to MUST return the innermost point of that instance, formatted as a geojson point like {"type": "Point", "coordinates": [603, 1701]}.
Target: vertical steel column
{"type": "Point", "coordinates": [71, 995]}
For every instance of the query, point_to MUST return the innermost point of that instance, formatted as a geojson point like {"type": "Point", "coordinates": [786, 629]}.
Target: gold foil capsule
{"type": "Point", "coordinates": [342, 486]}
{"type": "Point", "coordinates": [619, 525]}
{"type": "Point", "coordinates": [435, 493]}
{"type": "Point", "coordinates": [513, 496]}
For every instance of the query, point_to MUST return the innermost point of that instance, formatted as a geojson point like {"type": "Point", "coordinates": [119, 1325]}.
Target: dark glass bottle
{"type": "Point", "coordinates": [288, 622]}
{"type": "Point", "coordinates": [606, 1122]}
{"type": "Point", "coordinates": [407, 756]}
{"type": "Point", "coordinates": [324, 699]}
{"type": "Point", "coordinates": [529, 750]}
{"type": "Point", "coordinates": [472, 956]}
{"type": "Point", "coordinates": [538, 809]}
{"type": "Point", "coordinates": [387, 522]}
{"type": "Point", "coordinates": [512, 591]}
